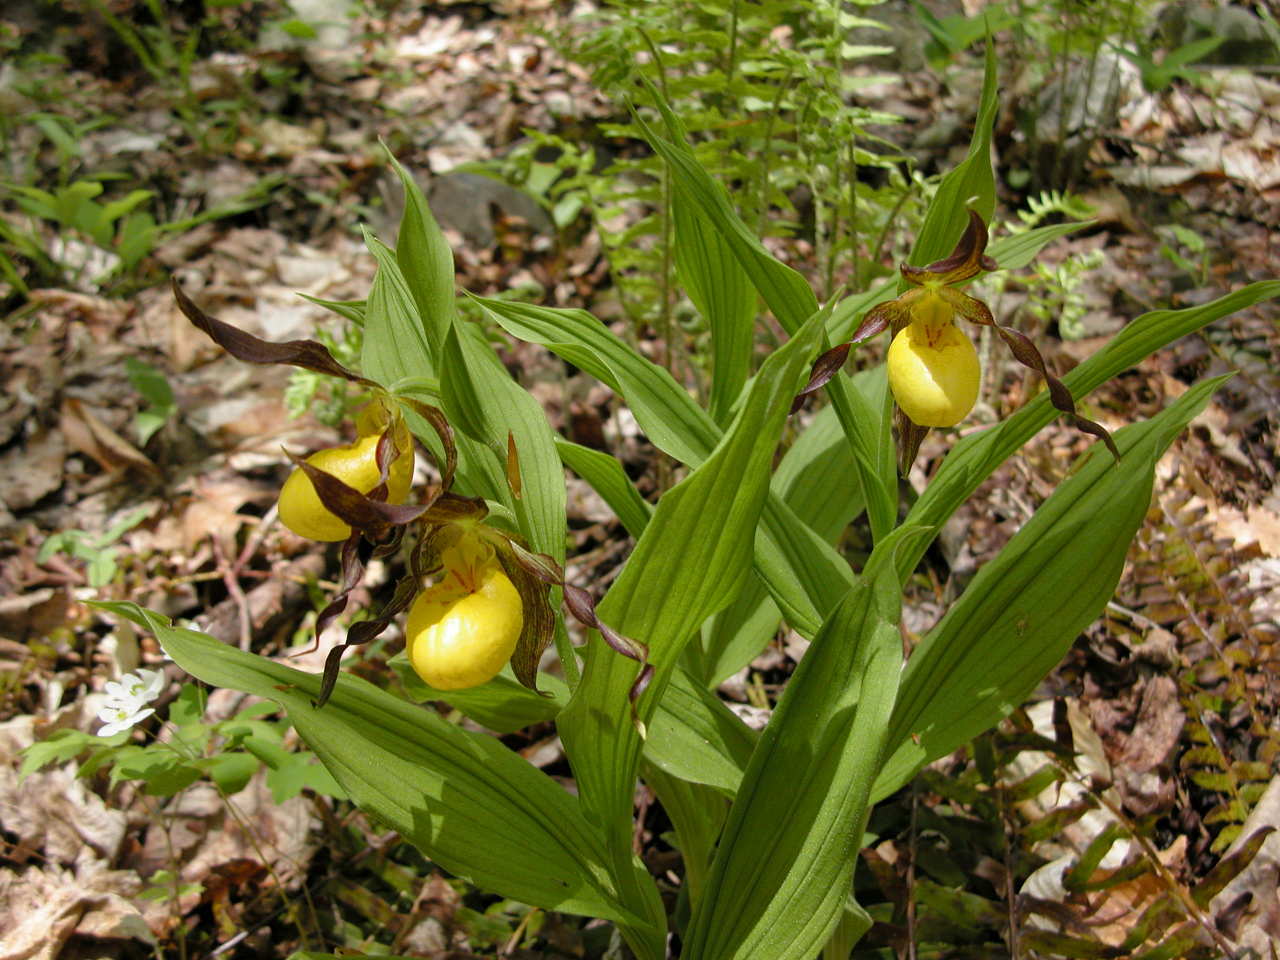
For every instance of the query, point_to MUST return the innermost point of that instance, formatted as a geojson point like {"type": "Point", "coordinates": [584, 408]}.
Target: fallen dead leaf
{"type": "Point", "coordinates": [33, 470]}
{"type": "Point", "coordinates": [85, 432]}
{"type": "Point", "coordinates": [43, 909]}
{"type": "Point", "coordinates": [1259, 930]}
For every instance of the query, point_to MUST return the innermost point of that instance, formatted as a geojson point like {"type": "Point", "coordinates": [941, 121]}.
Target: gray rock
{"type": "Point", "coordinates": [468, 202]}
{"type": "Point", "coordinates": [1245, 39]}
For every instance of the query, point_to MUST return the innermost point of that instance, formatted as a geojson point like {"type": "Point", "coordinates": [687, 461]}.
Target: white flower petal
{"type": "Point", "coordinates": [111, 729]}
{"type": "Point", "coordinates": [119, 719]}
{"type": "Point", "coordinates": [152, 682]}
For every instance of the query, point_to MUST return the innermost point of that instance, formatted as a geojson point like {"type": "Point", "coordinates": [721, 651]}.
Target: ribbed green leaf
{"type": "Point", "coordinates": [608, 479]}
{"type": "Point", "coordinates": [670, 418]}
{"type": "Point", "coordinates": [697, 813]}
{"type": "Point", "coordinates": [686, 565]}
{"type": "Point", "coordinates": [976, 457]}
{"type": "Point", "coordinates": [1025, 608]}
{"type": "Point", "coordinates": [395, 343]}
{"type": "Point", "coordinates": [972, 183]}
{"type": "Point", "coordinates": [502, 705]}
{"type": "Point", "coordinates": [791, 300]}
{"type": "Point", "coordinates": [783, 869]}
{"type": "Point", "coordinates": [695, 737]}
{"type": "Point", "coordinates": [854, 922]}
{"type": "Point", "coordinates": [805, 576]}
{"type": "Point", "coordinates": [803, 482]}
{"type": "Point", "coordinates": [426, 262]}
{"type": "Point", "coordinates": [723, 294]}
{"type": "Point", "coordinates": [785, 291]}
{"type": "Point", "coordinates": [481, 398]}
{"type": "Point", "coordinates": [1020, 249]}
{"type": "Point", "coordinates": [466, 801]}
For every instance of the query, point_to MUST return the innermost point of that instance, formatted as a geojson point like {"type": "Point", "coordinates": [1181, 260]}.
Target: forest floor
{"type": "Point", "coordinates": [1173, 697]}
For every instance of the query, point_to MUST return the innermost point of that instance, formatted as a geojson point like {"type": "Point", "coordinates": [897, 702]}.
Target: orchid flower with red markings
{"type": "Point", "coordinates": [933, 368]}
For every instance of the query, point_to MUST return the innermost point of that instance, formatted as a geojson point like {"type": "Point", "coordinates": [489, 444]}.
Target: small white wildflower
{"type": "Point", "coordinates": [121, 715]}
{"type": "Point", "coordinates": [127, 700]}
{"type": "Point", "coordinates": [144, 687]}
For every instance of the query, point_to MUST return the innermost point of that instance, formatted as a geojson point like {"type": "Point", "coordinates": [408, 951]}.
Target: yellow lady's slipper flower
{"type": "Point", "coordinates": [933, 367]}
{"type": "Point", "coordinates": [462, 630]}
{"type": "Point", "coordinates": [933, 373]}
{"type": "Point", "coordinates": [356, 465]}
{"type": "Point", "coordinates": [381, 431]}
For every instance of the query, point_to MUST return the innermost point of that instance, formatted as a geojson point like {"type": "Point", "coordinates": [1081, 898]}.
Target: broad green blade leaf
{"type": "Point", "coordinates": [1026, 607]}
{"type": "Point", "coordinates": [723, 294]}
{"type": "Point", "coordinates": [975, 457]}
{"type": "Point", "coordinates": [854, 922]}
{"type": "Point", "coordinates": [972, 180]}
{"type": "Point", "coordinates": [395, 343]}
{"type": "Point", "coordinates": [1020, 249]}
{"type": "Point", "coordinates": [785, 291]}
{"type": "Point", "coordinates": [421, 325]}
{"type": "Point", "coordinates": [686, 565]}
{"type": "Point", "coordinates": [481, 398]}
{"type": "Point", "coordinates": [784, 867]}
{"type": "Point", "coordinates": [804, 482]}
{"type": "Point", "coordinates": [697, 813]}
{"type": "Point", "coordinates": [670, 418]}
{"type": "Point", "coordinates": [821, 576]}
{"type": "Point", "coordinates": [466, 801]}
{"type": "Point", "coordinates": [502, 705]}
{"type": "Point", "coordinates": [426, 261]}
{"type": "Point", "coordinates": [792, 302]}
{"type": "Point", "coordinates": [805, 576]}
{"type": "Point", "coordinates": [608, 479]}
{"type": "Point", "coordinates": [695, 737]}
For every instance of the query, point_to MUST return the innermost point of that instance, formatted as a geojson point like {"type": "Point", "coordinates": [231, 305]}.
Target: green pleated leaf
{"type": "Point", "coordinates": [804, 575]}
{"type": "Point", "coordinates": [1020, 249]}
{"type": "Point", "coordinates": [782, 873]}
{"type": "Point", "coordinates": [803, 481]}
{"type": "Point", "coordinates": [695, 550]}
{"type": "Point", "coordinates": [670, 418]}
{"type": "Point", "coordinates": [481, 398]}
{"type": "Point", "coordinates": [697, 813]}
{"type": "Point", "coordinates": [695, 737]}
{"type": "Point", "coordinates": [785, 291]}
{"type": "Point", "coordinates": [607, 478]}
{"type": "Point", "coordinates": [467, 802]}
{"type": "Point", "coordinates": [976, 457]}
{"type": "Point", "coordinates": [395, 342]}
{"type": "Point", "coordinates": [971, 185]}
{"type": "Point", "coordinates": [426, 261]}
{"type": "Point", "coordinates": [502, 705]}
{"type": "Point", "coordinates": [854, 922]}
{"type": "Point", "coordinates": [792, 302]}
{"type": "Point", "coordinates": [723, 294]}
{"type": "Point", "coordinates": [1024, 609]}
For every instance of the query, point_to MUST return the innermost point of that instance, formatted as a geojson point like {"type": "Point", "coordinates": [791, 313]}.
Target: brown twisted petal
{"type": "Point", "coordinates": [883, 315]}
{"type": "Point", "coordinates": [1025, 352]}
{"type": "Point", "coordinates": [583, 608]}
{"type": "Point", "coordinates": [436, 420]}
{"type": "Point", "coordinates": [242, 345]}
{"type": "Point", "coordinates": [972, 309]}
{"type": "Point", "coordinates": [824, 368]}
{"type": "Point", "coordinates": [355, 508]}
{"type": "Point", "coordinates": [966, 261]}
{"type": "Point", "coordinates": [538, 622]}
{"type": "Point", "coordinates": [910, 436]}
